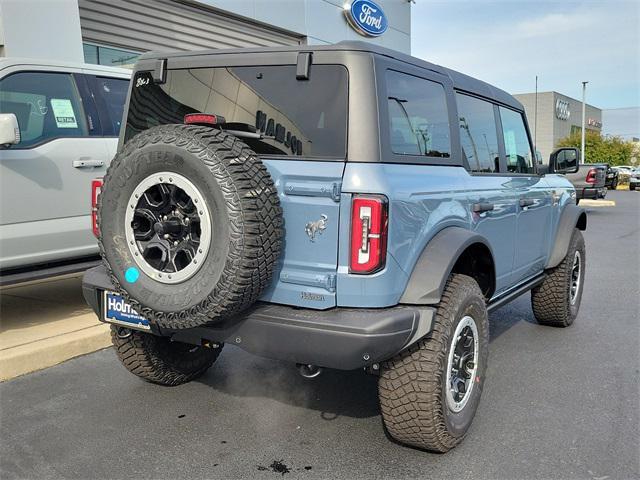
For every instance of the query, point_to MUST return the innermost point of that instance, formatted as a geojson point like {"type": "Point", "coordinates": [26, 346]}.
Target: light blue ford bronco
{"type": "Point", "coordinates": [339, 206]}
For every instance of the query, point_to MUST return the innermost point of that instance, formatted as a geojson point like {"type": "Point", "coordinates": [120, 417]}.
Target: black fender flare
{"type": "Point", "coordinates": [572, 217]}
{"type": "Point", "coordinates": [431, 271]}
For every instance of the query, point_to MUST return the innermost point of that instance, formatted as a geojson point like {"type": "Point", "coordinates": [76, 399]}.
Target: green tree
{"type": "Point", "coordinates": [599, 149]}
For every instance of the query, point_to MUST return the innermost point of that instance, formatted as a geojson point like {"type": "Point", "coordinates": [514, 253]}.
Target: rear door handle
{"type": "Point", "coordinates": [87, 163]}
{"type": "Point", "coordinates": [482, 207]}
{"type": "Point", "coordinates": [526, 202]}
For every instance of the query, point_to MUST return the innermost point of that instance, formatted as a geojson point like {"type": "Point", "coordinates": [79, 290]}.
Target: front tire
{"type": "Point", "coordinates": [556, 300]}
{"type": "Point", "coordinates": [158, 359]}
{"type": "Point", "coordinates": [430, 392]}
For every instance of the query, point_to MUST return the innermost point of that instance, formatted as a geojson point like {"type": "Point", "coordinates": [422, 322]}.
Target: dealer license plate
{"type": "Point", "coordinates": [116, 310]}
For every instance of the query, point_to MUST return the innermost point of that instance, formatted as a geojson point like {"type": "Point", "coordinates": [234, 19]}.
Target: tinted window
{"type": "Point", "coordinates": [478, 135]}
{"type": "Point", "coordinates": [294, 117]}
{"type": "Point", "coordinates": [110, 95]}
{"type": "Point", "coordinates": [418, 117]}
{"type": "Point", "coordinates": [516, 142]}
{"type": "Point", "coordinates": [47, 106]}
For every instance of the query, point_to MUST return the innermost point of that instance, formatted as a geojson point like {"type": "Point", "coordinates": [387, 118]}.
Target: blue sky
{"type": "Point", "coordinates": [508, 42]}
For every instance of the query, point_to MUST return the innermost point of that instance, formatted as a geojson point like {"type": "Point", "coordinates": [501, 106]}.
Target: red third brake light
{"type": "Point", "coordinates": [591, 176]}
{"type": "Point", "coordinates": [96, 187]}
{"type": "Point", "coordinates": [203, 119]}
{"type": "Point", "coordinates": [368, 234]}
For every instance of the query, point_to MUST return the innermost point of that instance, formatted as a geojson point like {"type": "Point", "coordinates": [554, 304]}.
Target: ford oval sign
{"type": "Point", "coordinates": [366, 18]}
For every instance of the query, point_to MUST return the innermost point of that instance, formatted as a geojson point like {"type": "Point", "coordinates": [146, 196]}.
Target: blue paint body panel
{"type": "Point", "coordinates": [423, 200]}
{"type": "Point", "coordinates": [306, 274]}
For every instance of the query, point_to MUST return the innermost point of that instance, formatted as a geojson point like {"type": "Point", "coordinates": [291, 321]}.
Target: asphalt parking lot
{"type": "Point", "coordinates": [558, 403]}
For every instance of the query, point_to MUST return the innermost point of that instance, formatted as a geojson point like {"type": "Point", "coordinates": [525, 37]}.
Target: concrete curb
{"type": "Point", "coordinates": [47, 352]}
{"type": "Point", "coordinates": [596, 203]}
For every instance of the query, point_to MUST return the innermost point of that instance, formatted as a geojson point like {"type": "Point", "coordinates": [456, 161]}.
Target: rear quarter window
{"type": "Point", "coordinates": [293, 117]}
{"type": "Point", "coordinates": [418, 116]}
{"type": "Point", "coordinates": [110, 94]}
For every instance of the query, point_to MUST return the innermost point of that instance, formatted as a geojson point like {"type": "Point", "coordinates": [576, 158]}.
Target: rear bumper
{"type": "Point", "coordinates": [591, 193]}
{"type": "Point", "coordinates": [341, 338]}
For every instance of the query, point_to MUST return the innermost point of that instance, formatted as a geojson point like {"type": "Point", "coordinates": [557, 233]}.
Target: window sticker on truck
{"type": "Point", "coordinates": [63, 113]}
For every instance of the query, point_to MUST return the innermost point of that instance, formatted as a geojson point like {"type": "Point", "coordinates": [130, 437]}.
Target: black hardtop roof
{"type": "Point", "coordinates": [460, 80]}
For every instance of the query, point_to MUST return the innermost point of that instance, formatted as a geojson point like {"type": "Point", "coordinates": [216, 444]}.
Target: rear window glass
{"type": "Point", "coordinates": [292, 117]}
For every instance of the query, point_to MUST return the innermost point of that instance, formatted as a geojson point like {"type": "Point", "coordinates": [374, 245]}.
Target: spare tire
{"type": "Point", "coordinates": [190, 225]}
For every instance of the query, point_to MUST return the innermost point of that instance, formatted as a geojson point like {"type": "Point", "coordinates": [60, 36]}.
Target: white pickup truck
{"type": "Point", "coordinates": [59, 126]}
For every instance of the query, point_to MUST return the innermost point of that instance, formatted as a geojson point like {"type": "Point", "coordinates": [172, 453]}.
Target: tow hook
{"type": "Point", "coordinates": [123, 332]}
{"type": "Point", "coordinates": [308, 371]}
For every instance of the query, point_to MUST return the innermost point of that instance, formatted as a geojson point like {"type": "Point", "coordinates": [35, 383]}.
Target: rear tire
{"type": "Point", "coordinates": [556, 300]}
{"type": "Point", "coordinates": [158, 359]}
{"type": "Point", "coordinates": [632, 186]}
{"type": "Point", "coordinates": [419, 407]}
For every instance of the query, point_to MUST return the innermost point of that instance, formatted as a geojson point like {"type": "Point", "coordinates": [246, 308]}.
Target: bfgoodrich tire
{"type": "Point", "coordinates": [190, 225]}
{"type": "Point", "coordinates": [158, 359]}
{"type": "Point", "coordinates": [556, 300]}
{"type": "Point", "coordinates": [429, 393]}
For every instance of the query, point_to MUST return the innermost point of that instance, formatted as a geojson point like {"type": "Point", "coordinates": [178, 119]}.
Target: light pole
{"type": "Point", "coordinates": [584, 108]}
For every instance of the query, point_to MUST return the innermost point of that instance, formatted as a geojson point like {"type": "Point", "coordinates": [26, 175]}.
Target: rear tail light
{"type": "Point", "coordinates": [203, 119]}
{"type": "Point", "coordinates": [96, 187]}
{"type": "Point", "coordinates": [591, 175]}
{"type": "Point", "coordinates": [369, 224]}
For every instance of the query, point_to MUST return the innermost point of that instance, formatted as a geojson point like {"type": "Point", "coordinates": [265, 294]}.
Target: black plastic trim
{"type": "Point", "coordinates": [434, 265]}
{"type": "Point", "coordinates": [569, 220]}
{"type": "Point", "coordinates": [46, 270]}
{"type": "Point", "coordinates": [511, 295]}
{"type": "Point", "coordinates": [341, 338]}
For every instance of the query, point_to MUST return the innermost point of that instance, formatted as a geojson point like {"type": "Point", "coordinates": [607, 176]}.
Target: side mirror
{"type": "Point", "coordinates": [9, 130]}
{"type": "Point", "coordinates": [564, 160]}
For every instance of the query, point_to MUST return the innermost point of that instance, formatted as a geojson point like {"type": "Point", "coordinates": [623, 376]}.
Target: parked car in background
{"type": "Point", "coordinates": [611, 181]}
{"type": "Point", "coordinates": [61, 123]}
{"type": "Point", "coordinates": [634, 179]}
{"type": "Point", "coordinates": [590, 181]}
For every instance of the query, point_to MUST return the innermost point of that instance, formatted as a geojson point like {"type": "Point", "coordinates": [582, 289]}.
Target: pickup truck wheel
{"type": "Point", "coordinates": [429, 393]}
{"type": "Point", "coordinates": [556, 300]}
{"type": "Point", "coordinates": [190, 225]}
{"type": "Point", "coordinates": [632, 186]}
{"type": "Point", "coordinates": [158, 359]}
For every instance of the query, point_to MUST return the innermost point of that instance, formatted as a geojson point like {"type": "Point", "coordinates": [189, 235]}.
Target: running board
{"type": "Point", "coordinates": [53, 269]}
{"type": "Point", "coordinates": [510, 295]}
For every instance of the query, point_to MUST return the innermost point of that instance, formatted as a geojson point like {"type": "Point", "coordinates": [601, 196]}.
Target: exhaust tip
{"type": "Point", "coordinates": [308, 371]}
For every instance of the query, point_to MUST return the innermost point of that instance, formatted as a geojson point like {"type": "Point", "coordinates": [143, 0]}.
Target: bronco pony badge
{"type": "Point", "coordinates": [317, 227]}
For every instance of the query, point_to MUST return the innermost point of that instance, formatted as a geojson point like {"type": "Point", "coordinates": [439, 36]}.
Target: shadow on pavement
{"type": "Point", "coordinates": [334, 393]}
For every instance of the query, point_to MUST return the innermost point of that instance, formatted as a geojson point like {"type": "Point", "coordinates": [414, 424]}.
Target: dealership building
{"type": "Point", "coordinates": [115, 32]}
{"type": "Point", "coordinates": [556, 117]}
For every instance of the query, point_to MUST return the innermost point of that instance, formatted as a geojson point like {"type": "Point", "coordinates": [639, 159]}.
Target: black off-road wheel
{"type": "Point", "coordinates": [430, 392]}
{"type": "Point", "coordinates": [190, 225]}
{"type": "Point", "coordinates": [158, 359]}
{"type": "Point", "coordinates": [556, 300]}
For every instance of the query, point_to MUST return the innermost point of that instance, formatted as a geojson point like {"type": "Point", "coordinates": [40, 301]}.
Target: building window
{"type": "Point", "coordinates": [113, 57]}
